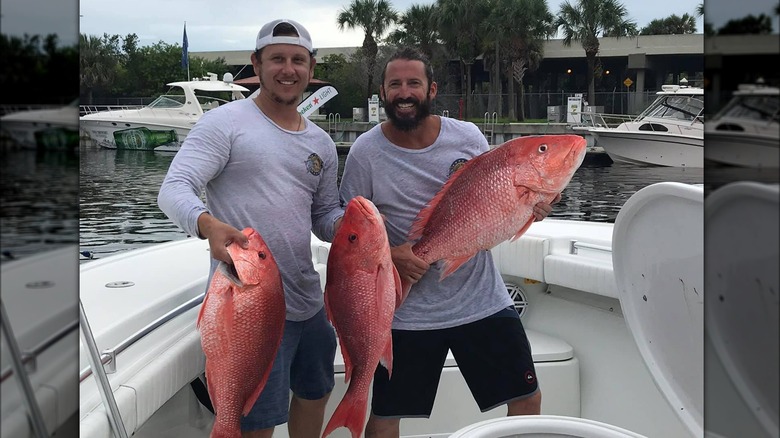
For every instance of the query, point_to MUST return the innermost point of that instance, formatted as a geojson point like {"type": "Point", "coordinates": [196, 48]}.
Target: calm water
{"type": "Point", "coordinates": [119, 210]}
{"type": "Point", "coordinates": [40, 194]}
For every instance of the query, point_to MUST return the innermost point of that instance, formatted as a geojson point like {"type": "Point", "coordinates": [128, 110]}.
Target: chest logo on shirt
{"type": "Point", "coordinates": [457, 164]}
{"type": "Point", "coordinates": [314, 164]}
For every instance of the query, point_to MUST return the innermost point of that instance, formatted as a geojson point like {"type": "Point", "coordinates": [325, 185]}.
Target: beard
{"type": "Point", "coordinates": [276, 98]}
{"type": "Point", "coordinates": [408, 122]}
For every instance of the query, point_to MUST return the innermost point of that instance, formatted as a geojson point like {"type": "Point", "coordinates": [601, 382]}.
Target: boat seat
{"type": "Point", "coordinates": [548, 259]}
{"type": "Point", "coordinates": [576, 272]}
{"type": "Point", "coordinates": [146, 391]}
{"type": "Point", "coordinates": [523, 258]}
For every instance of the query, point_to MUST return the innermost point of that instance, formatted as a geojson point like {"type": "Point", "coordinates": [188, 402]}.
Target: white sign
{"type": "Point", "coordinates": [574, 109]}
{"type": "Point", "coordinates": [316, 100]}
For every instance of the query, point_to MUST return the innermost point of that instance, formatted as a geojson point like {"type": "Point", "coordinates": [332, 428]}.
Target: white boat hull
{"type": "Point", "coordinates": [744, 150]}
{"type": "Point", "coordinates": [46, 129]}
{"type": "Point", "coordinates": [651, 148]}
{"type": "Point", "coordinates": [105, 132]}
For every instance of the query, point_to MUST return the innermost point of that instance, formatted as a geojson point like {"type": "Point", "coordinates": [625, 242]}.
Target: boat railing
{"type": "Point", "coordinates": [603, 120]}
{"type": "Point", "coordinates": [28, 358]}
{"type": "Point", "coordinates": [92, 109]}
{"type": "Point", "coordinates": [36, 417]}
{"type": "Point", "coordinates": [108, 357]}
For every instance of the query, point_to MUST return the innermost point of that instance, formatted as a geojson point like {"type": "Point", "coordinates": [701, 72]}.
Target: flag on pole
{"type": "Point", "coordinates": [185, 59]}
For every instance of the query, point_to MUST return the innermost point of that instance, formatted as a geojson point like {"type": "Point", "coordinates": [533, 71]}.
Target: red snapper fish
{"type": "Point", "coordinates": [241, 323]}
{"type": "Point", "coordinates": [362, 291]}
{"type": "Point", "coordinates": [491, 198]}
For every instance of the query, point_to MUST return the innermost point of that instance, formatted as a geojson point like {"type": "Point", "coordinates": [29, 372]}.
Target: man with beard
{"type": "Point", "coordinates": [265, 166]}
{"type": "Point", "coordinates": [400, 165]}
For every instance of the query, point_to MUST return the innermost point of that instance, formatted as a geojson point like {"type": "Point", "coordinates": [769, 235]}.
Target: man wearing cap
{"type": "Point", "coordinates": [265, 166]}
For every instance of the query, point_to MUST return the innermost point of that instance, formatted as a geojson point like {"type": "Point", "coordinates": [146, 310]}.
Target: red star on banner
{"type": "Point", "coordinates": [316, 101]}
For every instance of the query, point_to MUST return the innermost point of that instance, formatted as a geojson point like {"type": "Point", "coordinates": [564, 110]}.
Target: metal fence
{"type": "Point", "coordinates": [536, 104]}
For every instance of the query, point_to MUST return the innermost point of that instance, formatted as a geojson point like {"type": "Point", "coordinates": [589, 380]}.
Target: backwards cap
{"type": "Point", "coordinates": [266, 35]}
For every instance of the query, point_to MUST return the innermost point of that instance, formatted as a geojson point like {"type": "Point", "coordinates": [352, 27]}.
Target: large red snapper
{"type": "Point", "coordinates": [362, 291]}
{"type": "Point", "coordinates": [491, 197]}
{"type": "Point", "coordinates": [241, 323]}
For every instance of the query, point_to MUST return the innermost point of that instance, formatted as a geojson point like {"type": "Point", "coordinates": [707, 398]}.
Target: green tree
{"type": "Point", "coordinates": [417, 27]}
{"type": "Point", "coordinates": [761, 25]}
{"type": "Point", "coordinates": [519, 27]}
{"type": "Point", "coordinates": [341, 73]}
{"type": "Point", "coordinates": [35, 63]}
{"type": "Point", "coordinates": [671, 25]}
{"type": "Point", "coordinates": [98, 62]}
{"type": "Point", "coordinates": [459, 23]}
{"type": "Point", "coordinates": [375, 18]}
{"type": "Point", "coordinates": [587, 21]}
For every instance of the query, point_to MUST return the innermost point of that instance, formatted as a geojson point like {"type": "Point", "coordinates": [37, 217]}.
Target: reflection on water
{"type": "Point", "coordinates": [119, 196]}
{"type": "Point", "coordinates": [118, 209]}
{"type": "Point", "coordinates": [39, 201]}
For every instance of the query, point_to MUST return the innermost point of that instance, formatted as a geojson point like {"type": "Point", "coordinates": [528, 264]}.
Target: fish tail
{"type": "Point", "coordinates": [350, 413]}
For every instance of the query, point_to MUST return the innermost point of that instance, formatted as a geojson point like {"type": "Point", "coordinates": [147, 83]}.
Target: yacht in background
{"type": "Point", "coordinates": [164, 123]}
{"type": "Point", "coordinates": [746, 132]}
{"type": "Point", "coordinates": [669, 132]}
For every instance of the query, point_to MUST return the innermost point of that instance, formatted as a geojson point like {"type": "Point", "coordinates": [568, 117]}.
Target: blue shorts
{"type": "Point", "coordinates": [303, 365]}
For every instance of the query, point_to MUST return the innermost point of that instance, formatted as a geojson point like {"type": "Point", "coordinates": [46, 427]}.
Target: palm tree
{"type": "Point", "coordinates": [520, 28]}
{"type": "Point", "coordinates": [671, 25]}
{"type": "Point", "coordinates": [417, 27]}
{"type": "Point", "coordinates": [459, 23]}
{"type": "Point", "coordinates": [375, 18]}
{"type": "Point", "coordinates": [98, 59]}
{"type": "Point", "coordinates": [586, 22]}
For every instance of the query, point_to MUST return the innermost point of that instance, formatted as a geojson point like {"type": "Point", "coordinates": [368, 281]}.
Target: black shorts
{"type": "Point", "coordinates": [493, 355]}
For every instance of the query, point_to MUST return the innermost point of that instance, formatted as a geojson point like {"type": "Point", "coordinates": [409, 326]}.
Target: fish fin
{"type": "Point", "coordinates": [256, 393]}
{"type": "Point", "coordinates": [401, 290]}
{"type": "Point", "coordinates": [523, 230]}
{"type": "Point", "coordinates": [386, 360]}
{"type": "Point", "coordinates": [350, 413]}
{"type": "Point", "coordinates": [211, 388]}
{"type": "Point", "coordinates": [328, 312]}
{"type": "Point", "coordinates": [347, 364]}
{"type": "Point", "coordinates": [452, 265]}
{"type": "Point", "coordinates": [202, 309]}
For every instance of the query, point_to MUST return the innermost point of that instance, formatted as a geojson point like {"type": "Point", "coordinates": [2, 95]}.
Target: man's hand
{"type": "Point", "coordinates": [220, 235]}
{"type": "Point", "coordinates": [542, 210]}
{"type": "Point", "coordinates": [410, 267]}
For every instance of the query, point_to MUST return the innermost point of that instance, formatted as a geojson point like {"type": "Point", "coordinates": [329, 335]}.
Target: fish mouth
{"type": "Point", "coordinates": [229, 271]}
{"type": "Point", "coordinates": [367, 208]}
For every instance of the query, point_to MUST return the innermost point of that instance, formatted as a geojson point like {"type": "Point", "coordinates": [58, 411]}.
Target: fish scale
{"type": "Point", "coordinates": [361, 293]}
{"type": "Point", "coordinates": [241, 322]}
{"type": "Point", "coordinates": [491, 198]}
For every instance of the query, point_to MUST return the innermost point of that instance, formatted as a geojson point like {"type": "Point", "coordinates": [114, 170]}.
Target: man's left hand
{"type": "Point", "coordinates": [542, 210]}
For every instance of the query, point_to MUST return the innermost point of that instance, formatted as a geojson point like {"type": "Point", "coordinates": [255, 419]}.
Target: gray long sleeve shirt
{"type": "Point", "coordinates": [256, 174]}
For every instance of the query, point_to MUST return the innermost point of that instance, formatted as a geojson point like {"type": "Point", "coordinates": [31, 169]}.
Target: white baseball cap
{"type": "Point", "coordinates": [266, 35]}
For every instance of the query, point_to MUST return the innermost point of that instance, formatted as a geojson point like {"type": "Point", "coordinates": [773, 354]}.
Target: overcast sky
{"type": "Point", "coordinates": [233, 25]}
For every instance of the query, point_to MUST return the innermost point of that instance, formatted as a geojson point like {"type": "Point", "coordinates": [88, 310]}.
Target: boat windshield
{"type": "Point", "coordinates": [766, 108]}
{"type": "Point", "coordinates": [168, 101]}
{"type": "Point", "coordinates": [678, 107]}
{"type": "Point", "coordinates": [211, 101]}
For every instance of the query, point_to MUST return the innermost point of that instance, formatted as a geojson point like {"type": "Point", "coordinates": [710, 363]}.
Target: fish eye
{"type": "Point", "coordinates": [542, 148]}
{"type": "Point", "coordinates": [352, 237]}
{"type": "Point", "coordinates": [261, 255]}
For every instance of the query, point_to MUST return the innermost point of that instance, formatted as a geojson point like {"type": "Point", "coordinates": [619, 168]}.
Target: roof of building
{"type": "Point", "coordinates": [690, 44]}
